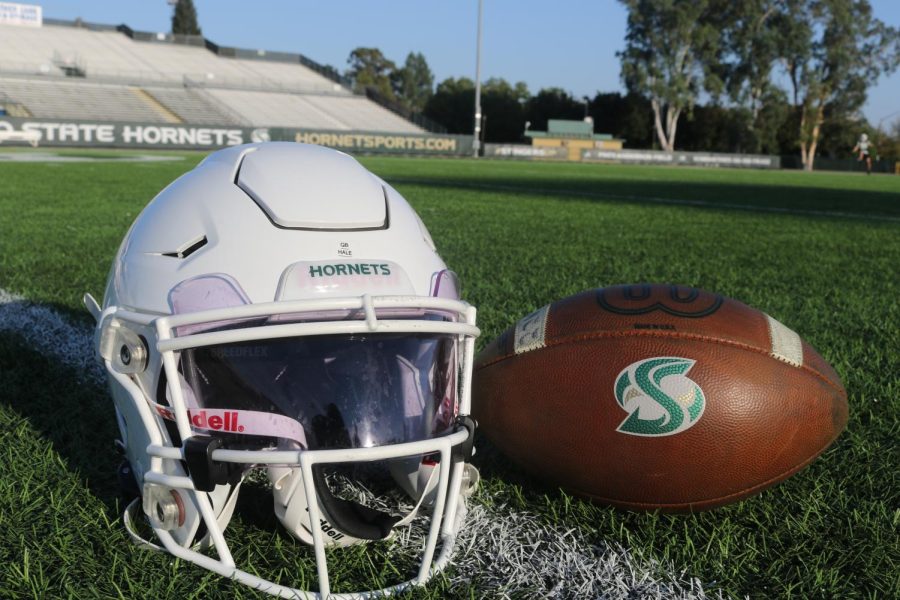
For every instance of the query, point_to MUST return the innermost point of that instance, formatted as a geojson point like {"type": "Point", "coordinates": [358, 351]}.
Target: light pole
{"type": "Point", "coordinates": [476, 141]}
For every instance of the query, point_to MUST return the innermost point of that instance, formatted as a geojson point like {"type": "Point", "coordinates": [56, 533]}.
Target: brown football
{"type": "Point", "coordinates": [657, 397]}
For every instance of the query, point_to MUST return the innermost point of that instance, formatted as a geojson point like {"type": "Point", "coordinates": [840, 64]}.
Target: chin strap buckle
{"type": "Point", "coordinates": [466, 450]}
{"type": "Point", "coordinates": [206, 472]}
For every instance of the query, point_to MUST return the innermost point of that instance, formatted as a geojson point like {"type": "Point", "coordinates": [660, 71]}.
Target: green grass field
{"type": "Point", "coordinates": [819, 252]}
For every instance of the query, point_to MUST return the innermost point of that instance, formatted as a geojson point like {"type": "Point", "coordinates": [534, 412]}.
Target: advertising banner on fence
{"type": "Point", "coordinates": [29, 15]}
{"type": "Point", "coordinates": [45, 132]}
{"type": "Point", "coordinates": [705, 159]}
{"type": "Point", "coordinates": [520, 151]}
{"type": "Point", "coordinates": [73, 133]}
{"type": "Point", "coordinates": [395, 143]}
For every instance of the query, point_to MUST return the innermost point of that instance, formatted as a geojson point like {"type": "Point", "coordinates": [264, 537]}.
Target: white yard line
{"type": "Point", "coordinates": [650, 199]}
{"type": "Point", "coordinates": [511, 553]}
{"type": "Point", "coordinates": [516, 554]}
{"type": "Point", "coordinates": [51, 157]}
{"type": "Point", "coordinates": [51, 334]}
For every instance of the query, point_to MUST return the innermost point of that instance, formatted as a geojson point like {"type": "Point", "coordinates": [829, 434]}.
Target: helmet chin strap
{"type": "Point", "coordinates": [352, 521]}
{"type": "Point", "coordinates": [350, 517]}
{"type": "Point", "coordinates": [361, 521]}
{"type": "Point", "coordinates": [367, 523]}
{"type": "Point", "coordinates": [346, 522]}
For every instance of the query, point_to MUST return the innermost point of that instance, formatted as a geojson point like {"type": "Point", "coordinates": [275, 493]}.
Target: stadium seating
{"type": "Point", "coordinates": [44, 50]}
{"type": "Point", "coordinates": [99, 73]}
{"type": "Point", "coordinates": [312, 111]}
{"type": "Point", "coordinates": [61, 99]}
{"type": "Point", "coordinates": [359, 114]}
{"type": "Point", "coordinates": [110, 54]}
{"type": "Point", "coordinates": [288, 75]}
{"type": "Point", "coordinates": [191, 106]}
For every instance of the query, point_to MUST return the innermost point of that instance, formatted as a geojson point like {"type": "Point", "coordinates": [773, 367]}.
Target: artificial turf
{"type": "Point", "coordinates": [819, 252]}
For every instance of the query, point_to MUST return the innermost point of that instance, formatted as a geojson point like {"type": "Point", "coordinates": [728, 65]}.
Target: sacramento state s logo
{"type": "Point", "coordinates": [659, 398]}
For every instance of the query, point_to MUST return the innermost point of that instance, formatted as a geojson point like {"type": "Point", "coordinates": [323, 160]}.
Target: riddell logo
{"type": "Point", "coordinates": [328, 529]}
{"type": "Point", "coordinates": [226, 421]}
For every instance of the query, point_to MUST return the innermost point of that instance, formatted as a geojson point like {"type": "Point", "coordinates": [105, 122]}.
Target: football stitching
{"type": "Point", "coordinates": [660, 334]}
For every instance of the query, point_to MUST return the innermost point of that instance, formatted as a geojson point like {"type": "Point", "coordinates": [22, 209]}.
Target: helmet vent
{"type": "Point", "coordinates": [189, 248]}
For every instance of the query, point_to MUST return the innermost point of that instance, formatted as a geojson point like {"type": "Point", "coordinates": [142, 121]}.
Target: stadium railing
{"type": "Point", "coordinates": [398, 109]}
{"type": "Point", "coordinates": [284, 57]}
{"type": "Point", "coordinates": [233, 52]}
{"type": "Point", "coordinates": [135, 77]}
{"type": "Point", "coordinates": [262, 85]}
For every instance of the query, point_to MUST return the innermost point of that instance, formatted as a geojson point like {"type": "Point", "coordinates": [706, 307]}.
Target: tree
{"type": "Point", "coordinates": [503, 105]}
{"type": "Point", "coordinates": [369, 68]}
{"type": "Point", "coordinates": [671, 48]}
{"type": "Point", "coordinates": [833, 51]}
{"type": "Point", "coordinates": [888, 142]}
{"type": "Point", "coordinates": [184, 18]}
{"type": "Point", "coordinates": [453, 105]}
{"type": "Point", "coordinates": [552, 103]}
{"type": "Point", "coordinates": [751, 42]}
{"type": "Point", "coordinates": [627, 117]}
{"type": "Point", "coordinates": [715, 128]}
{"type": "Point", "coordinates": [839, 134]}
{"type": "Point", "coordinates": [771, 113]}
{"type": "Point", "coordinates": [413, 83]}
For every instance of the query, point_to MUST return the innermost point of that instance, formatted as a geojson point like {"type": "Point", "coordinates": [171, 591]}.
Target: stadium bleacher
{"type": "Point", "coordinates": [62, 99]}
{"type": "Point", "coordinates": [190, 106]}
{"type": "Point", "coordinates": [348, 113]}
{"type": "Point", "coordinates": [358, 113]}
{"type": "Point", "coordinates": [74, 70]}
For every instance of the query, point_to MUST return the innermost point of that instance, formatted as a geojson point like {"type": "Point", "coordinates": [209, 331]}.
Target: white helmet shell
{"type": "Point", "coordinates": [321, 199]}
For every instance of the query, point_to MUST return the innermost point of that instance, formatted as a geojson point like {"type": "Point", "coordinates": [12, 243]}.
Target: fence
{"type": "Point", "coordinates": [823, 163]}
{"type": "Point", "coordinates": [705, 159]}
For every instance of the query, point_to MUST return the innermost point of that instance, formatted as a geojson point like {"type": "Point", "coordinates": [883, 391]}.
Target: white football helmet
{"type": "Point", "coordinates": [280, 307]}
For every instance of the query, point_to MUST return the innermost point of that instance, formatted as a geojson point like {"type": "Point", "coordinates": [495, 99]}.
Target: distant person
{"type": "Point", "coordinates": [862, 146]}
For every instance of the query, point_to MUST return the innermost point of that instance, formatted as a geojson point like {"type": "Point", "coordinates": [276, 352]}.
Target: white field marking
{"type": "Point", "coordinates": [515, 554]}
{"type": "Point", "coordinates": [510, 553]}
{"type": "Point", "coordinates": [50, 157]}
{"type": "Point", "coordinates": [51, 334]}
{"type": "Point", "coordinates": [651, 199]}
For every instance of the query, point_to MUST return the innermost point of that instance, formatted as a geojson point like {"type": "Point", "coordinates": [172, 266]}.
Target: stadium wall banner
{"type": "Point", "coordinates": [697, 159]}
{"type": "Point", "coordinates": [381, 143]}
{"type": "Point", "coordinates": [29, 15]}
{"type": "Point", "coordinates": [520, 151]}
{"type": "Point", "coordinates": [74, 133]}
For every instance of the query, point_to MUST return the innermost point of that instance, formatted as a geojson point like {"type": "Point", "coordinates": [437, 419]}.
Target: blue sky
{"type": "Point", "coordinates": [570, 44]}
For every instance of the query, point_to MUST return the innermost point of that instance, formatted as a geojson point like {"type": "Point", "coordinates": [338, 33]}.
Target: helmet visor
{"type": "Point", "coordinates": [329, 391]}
